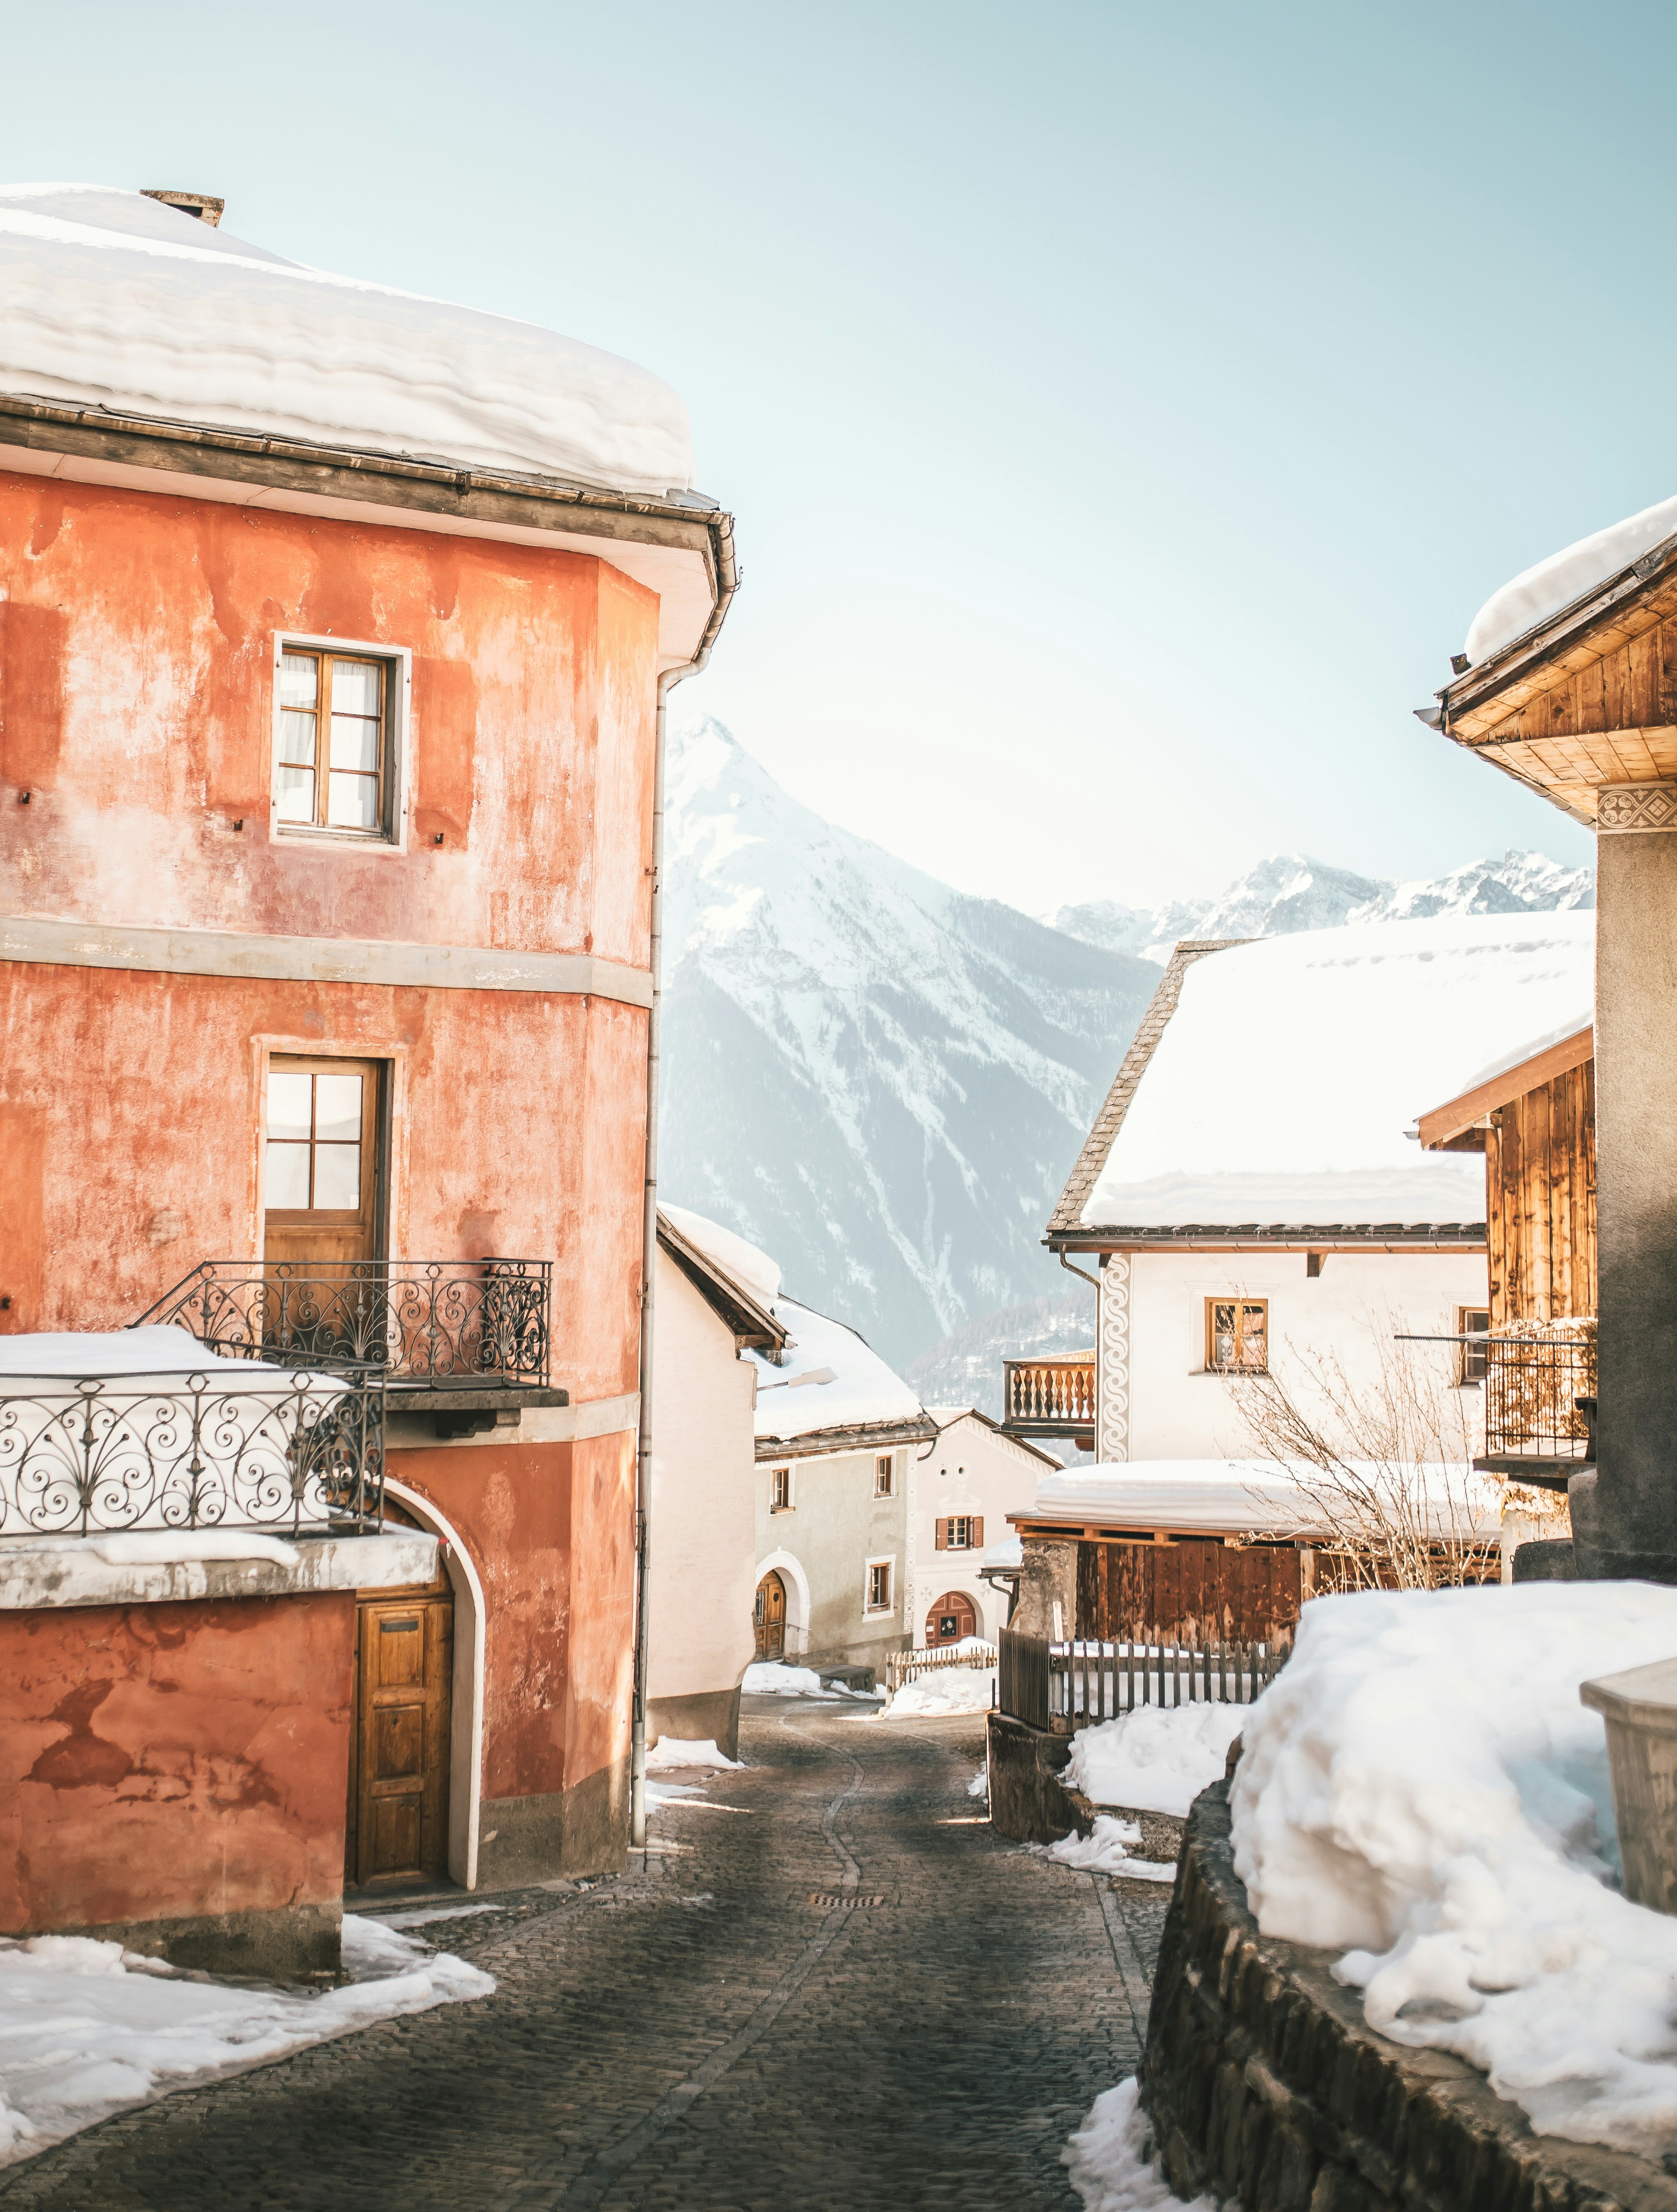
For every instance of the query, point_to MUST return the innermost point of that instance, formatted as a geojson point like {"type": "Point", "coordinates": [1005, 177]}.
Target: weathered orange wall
{"type": "Point", "coordinates": [166, 1761]}
{"type": "Point", "coordinates": [551, 1530]}
{"type": "Point", "coordinates": [137, 710]}
{"type": "Point", "coordinates": [133, 1101]}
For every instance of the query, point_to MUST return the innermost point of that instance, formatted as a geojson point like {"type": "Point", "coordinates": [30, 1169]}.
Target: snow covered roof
{"type": "Point", "coordinates": [758, 1275]}
{"type": "Point", "coordinates": [109, 299]}
{"type": "Point", "coordinates": [830, 1392]}
{"type": "Point", "coordinates": [1538, 592]}
{"type": "Point", "coordinates": [1277, 1092]}
{"type": "Point", "coordinates": [1233, 1498]}
{"type": "Point", "coordinates": [746, 1312]}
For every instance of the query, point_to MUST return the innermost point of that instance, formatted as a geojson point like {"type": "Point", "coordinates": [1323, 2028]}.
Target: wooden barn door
{"type": "Point", "coordinates": [771, 1618]}
{"type": "Point", "coordinates": [398, 1774]}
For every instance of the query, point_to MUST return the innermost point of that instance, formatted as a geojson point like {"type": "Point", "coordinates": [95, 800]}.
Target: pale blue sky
{"type": "Point", "coordinates": [1126, 410]}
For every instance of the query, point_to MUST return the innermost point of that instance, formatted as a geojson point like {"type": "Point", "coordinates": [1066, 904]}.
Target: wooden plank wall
{"type": "Point", "coordinates": [1212, 1593]}
{"type": "Point", "coordinates": [1631, 684]}
{"type": "Point", "coordinates": [1540, 1158]}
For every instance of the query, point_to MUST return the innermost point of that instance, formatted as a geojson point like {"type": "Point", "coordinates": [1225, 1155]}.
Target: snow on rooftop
{"type": "Point", "coordinates": [755, 1273]}
{"type": "Point", "coordinates": [1240, 1497]}
{"type": "Point", "coordinates": [109, 299]}
{"type": "Point", "coordinates": [1286, 1083]}
{"type": "Point", "coordinates": [862, 1389]}
{"type": "Point", "coordinates": [1540, 592]}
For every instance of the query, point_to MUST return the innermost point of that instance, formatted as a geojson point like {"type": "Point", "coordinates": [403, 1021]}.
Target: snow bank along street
{"type": "Point", "coordinates": [834, 1985]}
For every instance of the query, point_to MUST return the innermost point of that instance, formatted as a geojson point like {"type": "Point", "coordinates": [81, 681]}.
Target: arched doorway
{"type": "Point", "coordinates": [771, 1618]}
{"type": "Point", "coordinates": [952, 1616]}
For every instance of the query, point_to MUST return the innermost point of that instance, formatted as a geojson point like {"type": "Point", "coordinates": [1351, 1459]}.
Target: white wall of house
{"type": "Point", "coordinates": [822, 1545]}
{"type": "Point", "coordinates": [704, 1481]}
{"type": "Point", "coordinates": [1178, 1409]}
{"type": "Point", "coordinates": [970, 1472]}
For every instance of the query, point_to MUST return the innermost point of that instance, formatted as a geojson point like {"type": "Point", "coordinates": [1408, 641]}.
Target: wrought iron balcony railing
{"type": "Point", "coordinates": [421, 1323]}
{"type": "Point", "coordinates": [1540, 1398]}
{"type": "Point", "coordinates": [1052, 1396]}
{"type": "Point", "coordinates": [286, 1455]}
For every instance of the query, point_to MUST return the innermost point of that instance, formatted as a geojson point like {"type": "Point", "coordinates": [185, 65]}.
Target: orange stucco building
{"type": "Point", "coordinates": [327, 795]}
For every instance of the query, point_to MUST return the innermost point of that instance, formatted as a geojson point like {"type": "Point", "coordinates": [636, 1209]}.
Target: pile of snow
{"type": "Point", "coordinates": [673, 1751]}
{"type": "Point", "coordinates": [828, 1379]}
{"type": "Point", "coordinates": [1158, 1758]}
{"type": "Point", "coordinates": [1342, 1037]}
{"type": "Point", "coordinates": [1421, 1788]}
{"type": "Point", "coordinates": [1537, 593]}
{"type": "Point", "coordinates": [113, 300]}
{"type": "Point", "coordinates": [1106, 1849]}
{"type": "Point", "coordinates": [773, 1678]}
{"type": "Point", "coordinates": [945, 1690]}
{"type": "Point", "coordinates": [1241, 1496]}
{"type": "Point", "coordinates": [1109, 2160]}
{"type": "Point", "coordinates": [168, 1350]}
{"type": "Point", "coordinates": [86, 2028]}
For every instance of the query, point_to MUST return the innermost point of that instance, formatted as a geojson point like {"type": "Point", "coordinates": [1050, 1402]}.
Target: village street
{"type": "Point", "coordinates": [705, 2033]}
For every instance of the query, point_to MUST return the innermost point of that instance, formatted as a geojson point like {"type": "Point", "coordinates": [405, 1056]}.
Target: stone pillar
{"type": "Point", "coordinates": [1629, 1526]}
{"type": "Point", "coordinates": [1048, 1579]}
{"type": "Point", "coordinates": [1112, 1359]}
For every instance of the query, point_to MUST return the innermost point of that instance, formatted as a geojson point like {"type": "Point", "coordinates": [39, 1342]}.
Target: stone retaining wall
{"type": "Point", "coordinates": [1262, 2079]}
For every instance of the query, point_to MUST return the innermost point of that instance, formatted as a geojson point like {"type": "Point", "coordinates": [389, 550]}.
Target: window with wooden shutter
{"type": "Point", "coordinates": [940, 1535]}
{"type": "Point", "coordinates": [1237, 1335]}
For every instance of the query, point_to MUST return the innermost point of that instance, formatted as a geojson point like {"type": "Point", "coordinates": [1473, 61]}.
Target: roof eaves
{"type": "Point", "coordinates": [862, 1436]}
{"type": "Point", "coordinates": [1068, 1215]}
{"type": "Point", "coordinates": [1301, 1236]}
{"type": "Point", "coordinates": [733, 1305]}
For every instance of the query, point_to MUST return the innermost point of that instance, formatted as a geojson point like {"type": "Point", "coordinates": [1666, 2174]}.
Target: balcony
{"type": "Point", "coordinates": [1539, 1401]}
{"type": "Point", "coordinates": [1050, 1396]}
{"type": "Point", "coordinates": [463, 1343]}
{"type": "Point", "coordinates": [283, 1455]}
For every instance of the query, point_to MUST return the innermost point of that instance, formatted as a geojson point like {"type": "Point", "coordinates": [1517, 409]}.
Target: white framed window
{"type": "Point", "coordinates": [879, 1586]}
{"type": "Point", "coordinates": [340, 745]}
{"type": "Point", "coordinates": [780, 1490]}
{"type": "Point", "coordinates": [1237, 1335]}
{"type": "Point", "coordinates": [1473, 1360]}
{"type": "Point", "coordinates": [884, 1470]}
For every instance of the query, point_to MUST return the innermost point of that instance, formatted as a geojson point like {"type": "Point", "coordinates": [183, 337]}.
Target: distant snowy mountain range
{"type": "Point", "coordinates": [1295, 892]}
{"type": "Point", "coordinates": [1290, 892]}
{"type": "Point", "coordinates": [884, 1082]}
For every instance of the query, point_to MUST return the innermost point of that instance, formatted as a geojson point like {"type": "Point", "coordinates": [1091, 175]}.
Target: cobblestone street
{"type": "Point", "coordinates": [713, 2032]}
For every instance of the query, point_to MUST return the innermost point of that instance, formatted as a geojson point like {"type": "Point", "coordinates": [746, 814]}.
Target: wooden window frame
{"type": "Point", "coordinates": [780, 1490]}
{"type": "Point", "coordinates": [1473, 1361]}
{"type": "Point", "coordinates": [873, 1607]}
{"type": "Point", "coordinates": [375, 1086]}
{"type": "Point", "coordinates": [1237, 1366]}
{"type": "Point", "coordinates": [884, 1475]}
{"type": "Point", "coordinates": [390, 833]}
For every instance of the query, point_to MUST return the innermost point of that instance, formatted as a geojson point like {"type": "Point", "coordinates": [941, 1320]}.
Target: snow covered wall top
{"type": "Point", "coordinates": [1287, 1081]}
{"type": "Point", "coordinates": [109, 299]}
{"type": "Point", "coordinates": [1537, 593]}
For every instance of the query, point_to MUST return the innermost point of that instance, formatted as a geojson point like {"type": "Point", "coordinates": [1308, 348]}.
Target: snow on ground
{"type": "Point", "coordinates": [86, 2028]}
{"type": "Point", "coordinates": [114, 299]}
{"type": "Point", "coordinates": [673, 1751]}
{"type": "Point", "coordinates": [1106, 1849]}
{"type": "Point", "coordinates": [945, 1690]}
{"type": "Point", "coordinates": [1553, 583]}
{"type": "Point", "coordinates": [773, 1678]}
{"type": "Point", "coordinates": [1156, 1759]}
{"type": "Point", "coordinates": [1342, 1036]}
{"type": "Point", "coordinates": [980, 1784]}
{"type": "Point", "coordinates": [1109, 2159]}
{"type": "Point", "coordinates": [1421, 1790]}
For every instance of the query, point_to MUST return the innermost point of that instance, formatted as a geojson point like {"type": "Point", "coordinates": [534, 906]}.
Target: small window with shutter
{"type": "Point", "coordinates": [959, 1532]}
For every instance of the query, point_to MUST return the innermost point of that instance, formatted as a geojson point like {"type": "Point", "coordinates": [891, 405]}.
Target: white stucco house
{"type": "Point", "coordinates": [711, 1307]}
{"type": "Point", "coordinates": [1254, 1191]}
{"type": "Point", "coordinates": [961, 1488]}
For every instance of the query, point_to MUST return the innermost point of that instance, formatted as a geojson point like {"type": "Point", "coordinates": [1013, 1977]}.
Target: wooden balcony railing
{"type": "Point", "coordinates": [1052, 1396]}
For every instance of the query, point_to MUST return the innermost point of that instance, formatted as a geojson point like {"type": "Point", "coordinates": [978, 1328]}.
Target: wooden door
{"type": "Point", "coordinates": [398, 1779]}
{"type": "Point", "coordinates": [771, 1618]}
{"type": "Point", "coordinates": [952, 1617]}
{"type": "Point", "coordinates": [321, 1166]}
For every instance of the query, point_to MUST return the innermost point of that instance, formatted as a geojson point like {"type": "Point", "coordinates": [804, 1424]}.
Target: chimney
{"type": "Point", "coordinates": [193, 203]}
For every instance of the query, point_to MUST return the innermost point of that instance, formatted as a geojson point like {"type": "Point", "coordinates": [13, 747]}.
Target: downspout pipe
{"type": "Point", "coordinates": [727, 583]}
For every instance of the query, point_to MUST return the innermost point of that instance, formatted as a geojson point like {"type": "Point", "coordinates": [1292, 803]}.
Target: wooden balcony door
{"type": "Point", "coordinates": [323, 1172]}
{"type": "Point", "coordinates": [398, 1767]}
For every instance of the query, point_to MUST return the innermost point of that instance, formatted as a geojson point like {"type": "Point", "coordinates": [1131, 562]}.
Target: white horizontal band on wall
{"type": "Point", "coordinates": [317, 959]}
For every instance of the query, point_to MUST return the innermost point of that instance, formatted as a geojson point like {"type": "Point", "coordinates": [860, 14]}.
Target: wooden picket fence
{"type": "Point", "coordinates": [1064, 1687]}
{"type": "Point", "coordinates": [902, 1666]}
